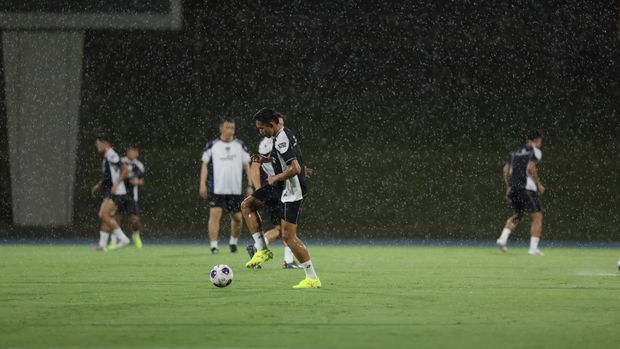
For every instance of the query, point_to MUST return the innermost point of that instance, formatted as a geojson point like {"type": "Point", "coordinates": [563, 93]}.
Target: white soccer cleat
{"type": "Point", "coordinates": [502, 245]}
{"type": "Point", "coordinates": [535, 252]}
{"type": "Point", "coordinates": [121, 244]}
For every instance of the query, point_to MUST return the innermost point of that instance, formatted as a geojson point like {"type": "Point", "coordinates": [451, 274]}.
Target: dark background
{"type": "Point", "coordinates": [406, 111]}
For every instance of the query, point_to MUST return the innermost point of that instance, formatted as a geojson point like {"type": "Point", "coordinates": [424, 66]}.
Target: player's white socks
{"type": "Point", "coordinates": [233, 241]}
{"type": "Point", "coordinates": [503, 239]}
{"type": "Point", "coordinates": [103, 239]}
{"type": "Point", "coordinates": [309, 269]}
{"type": "Point", "coordinates": [259, 241]}
{"type": "Point", "coordinates": [288, 255]}
{"type": "Point", "coordinates": [118, 233]}
{"type": "Point", "coordinates": [214, 244]}
{"type": "Point", "coordinates": [135, 233]}
{"type": "Point", "coordinates": [534, 244]}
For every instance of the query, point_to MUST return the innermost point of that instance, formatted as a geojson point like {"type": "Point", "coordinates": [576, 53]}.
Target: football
{"type": "Point", "coordinates": [618, 265]}
{"type": "Point", "coordinates": [221, 275]}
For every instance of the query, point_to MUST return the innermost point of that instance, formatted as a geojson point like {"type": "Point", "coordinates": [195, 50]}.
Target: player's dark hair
{"type": "Point", "coordinates": [267, 115]}
{"type": "Point", "coordinates": [104, 136]}
{"type": "Point", "coordinates": [224, 119]}
{"type": "Point", "coordinates": [132, 146]}
{"type": "Point", "coordinates": [534, 134]}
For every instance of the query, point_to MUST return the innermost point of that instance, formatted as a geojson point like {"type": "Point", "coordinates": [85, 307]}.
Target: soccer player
{"type": "Point", "coordinates": [221, 181]}
{"type": "Point", "coordinates": [113, 187]}
{"type": "Point", "coordinates": [129, 206]}
{"type": "Point", "coordinates": [289, 171]}
{"type": "Point", "coordinates": [260, 173]}
{"type": "Point", "coordinates": [523, 186]}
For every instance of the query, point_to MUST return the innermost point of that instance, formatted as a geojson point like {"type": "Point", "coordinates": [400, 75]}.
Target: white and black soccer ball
{"type": "Point", "coordinates": [221, 275]}
{"type": "Point", "coordinates": [618, 265]}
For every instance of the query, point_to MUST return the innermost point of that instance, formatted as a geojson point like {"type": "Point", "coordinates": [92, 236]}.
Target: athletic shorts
{"type": "Point", "coordinates": [117, 199]}
{"type": "Point", "coordinates": [525, 201]}
{"type": "Point", "coordinates": [270, 196]}
{"type": "Point", "coordinates": [290, 211]}
{"type": "Point", "coordinates": [126, 205]}
{"type": "Point", "coordinates": [232, 203]}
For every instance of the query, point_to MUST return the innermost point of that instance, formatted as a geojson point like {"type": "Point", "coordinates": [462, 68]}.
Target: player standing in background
{"type": "Point", "coordinates": [260, 173]}
{"type": "Point", "coordinates": [113, 187]}
{"type": "Point", "coordinates": [523, 185]}
{"type": "Point", "coordinates": [221, 180]}
{"type": "Point", "coordinates": [129, 207]}
{"type": "Point", "coordinates": [289, 170]}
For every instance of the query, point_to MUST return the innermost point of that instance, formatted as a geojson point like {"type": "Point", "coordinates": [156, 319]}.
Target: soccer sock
{"type": "Point", "coordinates": [259, 241]}
{"type": "Point", "coordinates": [534, 243]}
{"type": "Point", "coordinates": [288, 255]}
{"type": "Point", "coordinates": [504, 237]}
{"type": "Point", "coordinates": [214, 244]}
{"type": "Point", "coordinates": [103, 239]}
{"type": "Point", "coordinates": [118, 233]}
{"type": "Point", "coordinates": [136, 233]}
{"type": "Point", "coordinates": [309, 269]}
{"type": "Point", "coordinates": [233, 241]}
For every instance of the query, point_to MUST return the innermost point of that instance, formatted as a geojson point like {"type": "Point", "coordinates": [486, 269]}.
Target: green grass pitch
{"type": "Point", "coordinates": [372, 297]}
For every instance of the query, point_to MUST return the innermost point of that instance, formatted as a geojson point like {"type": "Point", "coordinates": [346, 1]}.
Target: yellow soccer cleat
{"type": "Point", "coordinates": [112, 245]}
{"type": "Point", "coordinates": [309, 283]}
{"type": "Point", "coordinates": [136, 240]}
{"type": "Point", "coordinates": [259, 257]}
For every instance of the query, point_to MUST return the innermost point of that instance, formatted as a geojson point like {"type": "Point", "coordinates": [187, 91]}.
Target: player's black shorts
{"type": "Point", "coordinates": [232, 203]}
{"type": "Point", "coordinates": [525, 201]}
{"type": "Point", "coordinates": [118, 199]}
{"type": "Point", "coordinates": [290, 211]}
{"type": "Point", "coordinates": [126, 205]}
{"type": "Point", "coordinates": [270, 196]}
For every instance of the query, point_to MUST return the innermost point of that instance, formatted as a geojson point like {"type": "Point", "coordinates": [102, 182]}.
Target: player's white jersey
{"type": "Point", "coordinates": [531, 185]}
{"type": "Point", "coordinates": [225, 161]}
{"type": "Point", "coordinates": [135, 169]}
{"type": "Point", "coordinates": [286, 150]}
{"type": "Point", "coordinates": [264, 148]}
{"type": "Point", "coordinates": [111, 169]}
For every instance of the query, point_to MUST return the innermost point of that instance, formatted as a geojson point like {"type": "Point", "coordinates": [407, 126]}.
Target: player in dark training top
{"type": "Point", "coordinates": [288, 168]}
{"type": "Point", "coordinates": [523, 187]}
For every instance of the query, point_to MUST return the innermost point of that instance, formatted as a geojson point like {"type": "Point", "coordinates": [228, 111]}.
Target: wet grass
{"type": "Point", "coordinates": [373, 297]}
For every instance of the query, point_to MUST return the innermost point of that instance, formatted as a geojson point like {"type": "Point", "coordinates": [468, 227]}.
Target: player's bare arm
{"type": "Point", "coordinates": [293, 170]}
{"type": "Point", "coordinates": [506, 174]}
{"type": "Point", "coordinates": [533, 170]}
{"type": "Point", "coordinates": [255, 175]}
{"type": "Point", "coordinates": [261, 159]}
{"type": "Point", "coordinates": [248, 173]}
{"type": "Point", "coordinates": [204, 172]}
{"type": "Point", "coordinates": [136, 181]}
{"type": "Point", "coordinates": [121, 178]}
{"type": "Point", "coordinates": [95, 189]}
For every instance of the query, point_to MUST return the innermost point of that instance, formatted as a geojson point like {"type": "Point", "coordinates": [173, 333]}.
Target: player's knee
{"type": "Point", "coordinates": [245, 205]}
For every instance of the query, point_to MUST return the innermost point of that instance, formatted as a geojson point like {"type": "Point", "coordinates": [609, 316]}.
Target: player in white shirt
{"type": "Point", "coordinates": [113, 187]}
{"type": "Point", "coordinates": [271, 211]}
{"type": "Point", "coordinates": [288, 165]}
{"type": "Point", "coordinates": [221, 182]}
